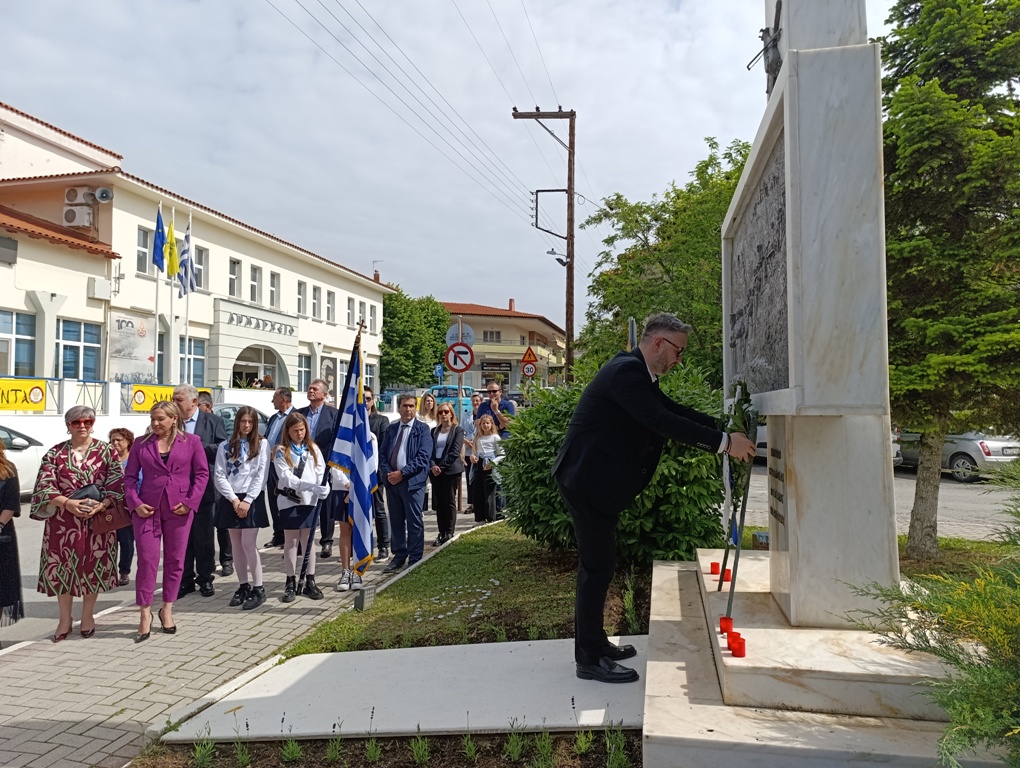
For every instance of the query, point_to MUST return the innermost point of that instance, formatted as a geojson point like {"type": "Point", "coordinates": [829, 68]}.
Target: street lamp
{"type": "Point", "coordinates": [563, 261]}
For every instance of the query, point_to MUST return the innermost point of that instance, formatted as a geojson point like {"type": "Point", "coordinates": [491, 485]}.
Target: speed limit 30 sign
{"type": "Point", "coordinates": [529, 369]}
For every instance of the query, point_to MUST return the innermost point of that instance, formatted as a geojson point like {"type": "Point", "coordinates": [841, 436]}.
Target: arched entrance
{"type": "Point", "coordinates": [258, 364]}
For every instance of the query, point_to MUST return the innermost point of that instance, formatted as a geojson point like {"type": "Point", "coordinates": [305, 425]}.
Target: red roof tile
{"type": "Point", "coordinates": [61, 131]}
{"type": "Point", "coordinates": [16, 221]}
{"type": "Point", "coordinates": [455, 308]}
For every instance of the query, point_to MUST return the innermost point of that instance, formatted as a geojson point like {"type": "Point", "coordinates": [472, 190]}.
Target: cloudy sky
{"type": "Point", "coordinates": [245, 105]}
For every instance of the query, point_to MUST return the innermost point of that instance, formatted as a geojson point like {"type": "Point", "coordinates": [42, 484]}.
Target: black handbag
{"type": "Point", "coordinates": [90, 491]}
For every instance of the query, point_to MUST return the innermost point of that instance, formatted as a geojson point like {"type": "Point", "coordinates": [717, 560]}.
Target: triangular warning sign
{"type": "Point", "coordinates": [529, 356]}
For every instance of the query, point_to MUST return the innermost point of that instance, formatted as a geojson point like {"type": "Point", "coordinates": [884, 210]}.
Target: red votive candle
{"type": "Point", "coordinates": [725, 624]}
{"type": "Point", "coordinates": [739, 648]}
{"type": "Point", "coordinates": [731, 638]}
{"type": "Point", "coordinates": [726, 575]}
{"type": "Point", "coordinates": [714, 568]}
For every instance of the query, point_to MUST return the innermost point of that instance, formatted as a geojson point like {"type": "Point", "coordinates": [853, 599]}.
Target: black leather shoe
{"type": "Point", "coordinates": [394, 566]}
{"type": "Point", "coordinates": [206, 589]}
{"type": "Point", "coordinates": [186, 589]}
{"type": "Point", "coordinates": [619, 652]}
{"type": "Point", "coordinates": [607, 671]}
{"type": "Point", "coordinates": [228, 569]}
{"type": "Point", "coordinates": [327, 551]}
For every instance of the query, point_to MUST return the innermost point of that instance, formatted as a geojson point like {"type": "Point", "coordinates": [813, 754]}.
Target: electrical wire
{"type": "Point", "coordinates": [540, 56]}
{"type": "Point", "coordinates": [510, 48]}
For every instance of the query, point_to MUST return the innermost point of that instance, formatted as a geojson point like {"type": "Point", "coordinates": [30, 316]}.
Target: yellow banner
{"type": "Point", "coordinates": [144, 396]}
{"type": "Point", "coordinates": [22, 394]}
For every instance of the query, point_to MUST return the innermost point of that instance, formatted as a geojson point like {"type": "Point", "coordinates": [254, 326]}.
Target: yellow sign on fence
{"type": "Point", "coordinates": [22, 394]}
{"type": "Point", "coordinates": [144, 396]}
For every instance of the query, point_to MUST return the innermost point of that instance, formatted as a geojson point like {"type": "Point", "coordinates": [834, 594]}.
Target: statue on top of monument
{"type": "Point", "coordinates": [770, 51]}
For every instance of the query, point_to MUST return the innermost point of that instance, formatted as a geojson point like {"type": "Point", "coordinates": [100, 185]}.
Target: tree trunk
{"type": "Point", "coordinates": [922, 538]}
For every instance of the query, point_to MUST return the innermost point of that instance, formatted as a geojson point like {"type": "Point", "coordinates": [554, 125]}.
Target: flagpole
{"type": "Point", "coordinates": [173, 223]}
{"type": "Point", "coordinates": [155, 329]}
{"type": "Point", "coordinates": [187, 304]}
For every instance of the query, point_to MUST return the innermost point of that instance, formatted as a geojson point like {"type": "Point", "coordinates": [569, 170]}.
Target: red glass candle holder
{"type": "Point", "coordinates": [725, 624]}
{"type": "Point", "coordinates": [739, 648]}
{"type": "Point", "coordinates": [726, 575]}
{"type": "Point", "coordinates": [714, 567]}
{"type": "Point", "coordinates": [732, 637]}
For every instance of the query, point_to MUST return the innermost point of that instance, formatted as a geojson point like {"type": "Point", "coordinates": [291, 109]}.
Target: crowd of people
{"type": "Point", "coordinates": [186, 490]}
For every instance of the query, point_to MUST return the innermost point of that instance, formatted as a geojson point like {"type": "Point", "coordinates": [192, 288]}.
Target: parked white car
{"type": "Point", "coordinates": [967, 455]}
{"type": "Point", "coordinates": [26, 453]}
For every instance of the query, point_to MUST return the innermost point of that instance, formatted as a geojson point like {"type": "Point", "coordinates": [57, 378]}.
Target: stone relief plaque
{"type": "Point", "coordinates": [758, 293]}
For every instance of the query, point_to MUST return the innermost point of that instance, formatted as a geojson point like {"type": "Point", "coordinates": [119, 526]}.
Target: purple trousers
{"type": "Point", "coordinates": [171, 531]}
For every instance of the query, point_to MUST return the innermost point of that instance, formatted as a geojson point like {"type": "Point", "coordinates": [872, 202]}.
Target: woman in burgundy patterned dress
{"type": "Point", "coordinates": [77, 561]}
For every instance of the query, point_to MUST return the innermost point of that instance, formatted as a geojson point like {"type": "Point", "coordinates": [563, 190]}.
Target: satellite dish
{"type": "Point", "coordinates": [104, 194]}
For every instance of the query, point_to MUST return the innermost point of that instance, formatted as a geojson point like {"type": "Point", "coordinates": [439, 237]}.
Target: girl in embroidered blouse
{"type": "Point", "coordinates": [300, 469]}
{"type": "Point", "coordinates": [242, 464]}
{"type": "Point", "coordinates": [77, 561]}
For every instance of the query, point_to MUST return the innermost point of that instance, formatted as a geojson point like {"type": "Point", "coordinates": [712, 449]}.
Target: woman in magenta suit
{"type": "Point", "coordinates": [176, 472]}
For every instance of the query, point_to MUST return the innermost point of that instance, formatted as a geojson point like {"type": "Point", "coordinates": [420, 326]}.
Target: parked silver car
{"type": "Point", "coordinates": [227, 412]}
{"type": "Point", "coordinates": [967, 455]}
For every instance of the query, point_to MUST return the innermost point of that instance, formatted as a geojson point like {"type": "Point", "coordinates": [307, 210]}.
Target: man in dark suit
{"type": "Point", "coordinates": [378, 424]}
{"type": "Point", "coordinates": [618, 429]}
{"type": "Point", "coordinates": [322, 420]}
{"type": "Point", "coordinates": [404, 461]}
{"type": "Point", "coordinates": [282, 399]}
{"type": "Point", "coordinates": [200, 557]}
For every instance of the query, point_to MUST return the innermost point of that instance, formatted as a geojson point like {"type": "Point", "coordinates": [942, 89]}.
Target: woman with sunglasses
{"type": "Point", "coordinates": [77, 561]}
{"type": "Point", "coordinates": [446, 470]}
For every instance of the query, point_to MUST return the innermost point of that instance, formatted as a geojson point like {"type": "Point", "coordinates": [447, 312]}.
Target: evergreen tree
{"type": "Point", "coordinates": [414, 333]}
{"type": "Point", "coordinates": [952, 179]}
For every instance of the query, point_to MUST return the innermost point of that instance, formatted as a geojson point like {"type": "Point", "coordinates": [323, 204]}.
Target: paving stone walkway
{"type": "Point", "coordinates": [88, 702]}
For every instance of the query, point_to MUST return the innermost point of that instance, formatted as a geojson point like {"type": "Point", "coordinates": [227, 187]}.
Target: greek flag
{"type": "Point", "coordinates": [186, 276]}
{"type": "Point", "coordinates": [353, 454]}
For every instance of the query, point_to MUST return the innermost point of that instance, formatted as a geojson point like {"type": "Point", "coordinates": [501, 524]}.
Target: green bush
{"type": "Point", "coordinates": [675, 515]}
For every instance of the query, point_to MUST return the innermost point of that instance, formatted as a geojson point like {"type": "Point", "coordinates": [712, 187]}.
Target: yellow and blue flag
{"type": "Point", "coordinates": [173, 265]}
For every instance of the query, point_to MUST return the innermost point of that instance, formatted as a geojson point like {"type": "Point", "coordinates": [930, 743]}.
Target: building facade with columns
{"type": "Point", "coordinates": [502, 337]}
{"type": "Point", "coordinates": [81, 299]}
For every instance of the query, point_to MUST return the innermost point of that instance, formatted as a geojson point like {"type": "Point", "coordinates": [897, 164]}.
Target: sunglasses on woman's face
{"type": "Point", "coordinates": [82, 422]}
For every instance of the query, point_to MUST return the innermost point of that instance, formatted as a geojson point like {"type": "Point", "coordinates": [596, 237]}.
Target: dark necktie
{"type": "Point", "coordinates": [394, 457]}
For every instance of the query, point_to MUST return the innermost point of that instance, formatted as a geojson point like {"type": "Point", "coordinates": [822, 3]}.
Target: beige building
{"type": "Point", "coordinates": [79, 292]}
{"type": "Point", "coordinates": [501, 340]}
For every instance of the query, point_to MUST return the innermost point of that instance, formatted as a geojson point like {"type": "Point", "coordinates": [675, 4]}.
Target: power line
{"type": "Point", "coordinates": [510, 48]}
{"type": "Point", "coordinates": [540, 56]}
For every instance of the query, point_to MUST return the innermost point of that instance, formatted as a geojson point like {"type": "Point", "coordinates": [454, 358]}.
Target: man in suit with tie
{"type": "Point", "coordinates": [404, 461]}
{"type": "Point", "coordinates": [610, 453]}
{"type": "Point", "coordinates": [322, 420]}
{"type": "Point", "coordinates": [282, 399]}
{"type": "Point", "coordinates": [200, 557]}
{"type": "Point", "coordinates": [378, 424]}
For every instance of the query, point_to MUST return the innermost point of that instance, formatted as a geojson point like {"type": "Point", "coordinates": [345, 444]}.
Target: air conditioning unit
{"type": "Point", "coordinates": [79, 196]}
{"type": "Point", "coordinates": [78, 216]}
{"type": "Point", "coordinates": [99, 288]}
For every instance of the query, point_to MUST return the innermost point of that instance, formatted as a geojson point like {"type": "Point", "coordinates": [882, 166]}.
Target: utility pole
{"type": "Point", "coordinates": [538, 116]}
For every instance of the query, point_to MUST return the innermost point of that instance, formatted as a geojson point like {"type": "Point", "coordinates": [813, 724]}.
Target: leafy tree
{"type": "Point", "coordinates": [671, 262]}
{"type": "Point", "coordinates": [952, 180]}
{"type": "Point", "coordinates": [414, 334]}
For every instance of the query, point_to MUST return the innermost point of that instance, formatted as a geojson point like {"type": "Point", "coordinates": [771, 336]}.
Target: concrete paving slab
{"type": "Point", "coordinates": [442, 690]}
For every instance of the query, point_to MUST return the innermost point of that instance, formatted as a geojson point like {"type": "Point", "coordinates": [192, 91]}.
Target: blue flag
{"type": "Point", "coordinates": [159, 243]}
{"type": "Point", "coordinates": [186, 276]}
{"type": "Point", "coordinates": [354, 454]}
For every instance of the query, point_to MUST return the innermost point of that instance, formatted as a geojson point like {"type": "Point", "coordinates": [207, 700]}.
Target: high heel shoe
{"type": "Point", "coordinates": [166, 630]}
{"type": "Point", "coordinates": [142, 636]}
{"type": "Point", "coordinates": [87, 633]}
{"type": "Point", "coordinates": [60, 636]}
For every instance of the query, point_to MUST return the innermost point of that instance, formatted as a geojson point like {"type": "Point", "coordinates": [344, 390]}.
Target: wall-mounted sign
{"type": "Point", "coordinates": [22, 394]}
{"type": "Point", "coordinates": [497, 366]}
{"type": "Point", "coordinates": [258, 324]}
{"type": "Point", "coordinates": [144, 396]}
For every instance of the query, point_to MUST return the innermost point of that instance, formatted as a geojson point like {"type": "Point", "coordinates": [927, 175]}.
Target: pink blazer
{"type": "Point", "coordinates": [182, 478]}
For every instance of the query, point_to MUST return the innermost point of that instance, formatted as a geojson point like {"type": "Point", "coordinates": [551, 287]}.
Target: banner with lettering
{"type": "Point", "coordinates": [22, 394]}
{"type": "Point", "coordinates": [144, 396]}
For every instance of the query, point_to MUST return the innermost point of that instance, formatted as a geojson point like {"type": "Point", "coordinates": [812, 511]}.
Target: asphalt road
{"type": "Point", "coordinates": [970, 511]}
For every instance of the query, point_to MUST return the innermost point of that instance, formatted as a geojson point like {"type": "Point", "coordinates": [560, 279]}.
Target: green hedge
{"type": "Point", "coordinates": [675, 515]}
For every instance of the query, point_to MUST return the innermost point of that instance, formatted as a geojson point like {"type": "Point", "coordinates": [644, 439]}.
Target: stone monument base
{"type": "Point", "coordinates": [689, 722]}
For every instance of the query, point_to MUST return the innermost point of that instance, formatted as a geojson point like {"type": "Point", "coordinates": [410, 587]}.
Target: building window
{"type": "Point", "coordinates": [361, 312]}
{"type": "Point", "coordinates": [192, 362]}
{"type": "Point", "coordinates": [316, 301]}
{"type": "Point", "coordinates": [330, 307]}
{"type": "Point", "coordinates": [201, 262]}
{"type": "Point", "coordinates": [256, 285]}
{"type": "Point", "coordinates": [143, 256]}
{"type": "Point", "coordinates": [302, 298]}
{"type": "Point", "coordinates": [492, 337]}
{"type": "Point", "coordinates": [234, 284]}
{"type": "Point", "coordinates": [370, 376]}
{"type": "Point", "coordinates": [17, 336]}
{"type": "Point", "coordinates": [304, 372]}
{"type": "Point", "coordinates": [274, 290]}
{"type": "Point", "coordinates": [350, 312]}
{"type": "Point", "coordinates": [371, 319]}
{"type": "Point", "coordinates": [79, 351]}
{"type": "Point", "coordinates": [160, 359]}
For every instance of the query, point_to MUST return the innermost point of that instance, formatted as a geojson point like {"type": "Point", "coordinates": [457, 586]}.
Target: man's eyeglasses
{"type": "Point", "coordinates": [493, 391]}
{"type": "Point", "coordinates": [82, 422]}
{"type": "Point", "coordinates": [679, 350]}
